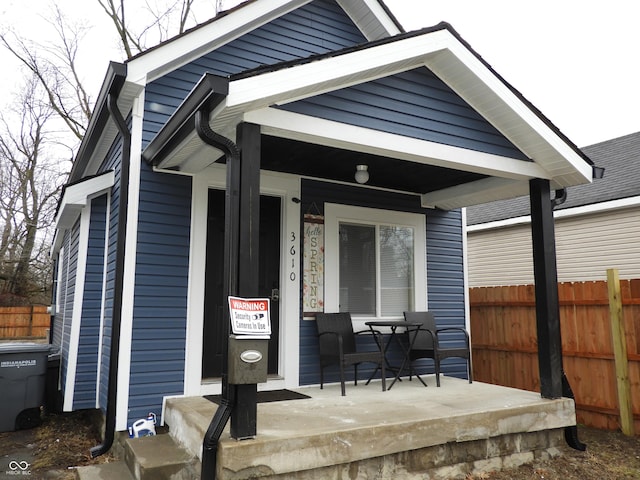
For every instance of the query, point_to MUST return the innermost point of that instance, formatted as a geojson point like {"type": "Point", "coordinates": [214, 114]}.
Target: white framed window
{"type": "Point", "coordinates": [375, 262]}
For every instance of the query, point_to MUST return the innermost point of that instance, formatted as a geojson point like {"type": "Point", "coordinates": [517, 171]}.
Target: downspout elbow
{"type": "Point", "coordinates": [208, 136]}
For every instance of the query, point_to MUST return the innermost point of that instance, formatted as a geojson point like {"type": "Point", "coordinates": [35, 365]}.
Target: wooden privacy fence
{"type": "Point", "coordinates": [503, 333]}
{"type": "Point", "coordinates": [23, 323]}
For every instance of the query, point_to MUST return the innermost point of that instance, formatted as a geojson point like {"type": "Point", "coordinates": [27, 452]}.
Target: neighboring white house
{"type": "Point", "coordinates": [597, 227]}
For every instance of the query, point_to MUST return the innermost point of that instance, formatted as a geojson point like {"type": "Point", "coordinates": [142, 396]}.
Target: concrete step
{"type": "Point", "coordinates": [148, 458]}
{"type": "Point", "coordinates": [158, 458]}
{"type": "Point", "coordinates": [188, 419]}
{"type": "Point", "coordinates": [105, 471]}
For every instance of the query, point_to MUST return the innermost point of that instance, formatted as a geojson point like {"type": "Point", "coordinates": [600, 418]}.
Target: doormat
{"type": "Point", "coordinates": [268, 396]}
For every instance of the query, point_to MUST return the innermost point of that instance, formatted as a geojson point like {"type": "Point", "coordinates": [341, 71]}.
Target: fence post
{"type": "Point", "coordinates": [620, 352]}
{"type": "Point", "coordinates": [30, 332]}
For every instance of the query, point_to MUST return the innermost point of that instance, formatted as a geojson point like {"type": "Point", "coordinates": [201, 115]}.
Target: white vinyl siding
{"type": "Point", "coordinates": [587, 245]}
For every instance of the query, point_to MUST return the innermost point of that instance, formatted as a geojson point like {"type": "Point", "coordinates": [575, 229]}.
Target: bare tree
{"type": "Point", "coordinates": [162, 25]}
{"type": "Point", "coordinates": [54, 66]}
{"type": "Point", "coordinates": [31, 182]}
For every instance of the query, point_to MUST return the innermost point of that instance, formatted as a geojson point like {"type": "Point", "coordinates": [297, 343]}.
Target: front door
{"type": "Point", "coordinates": [269, 280]}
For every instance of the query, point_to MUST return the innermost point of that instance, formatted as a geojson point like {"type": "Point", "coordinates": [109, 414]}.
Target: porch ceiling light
{"type": "Point", "coordinates": [362, 175]}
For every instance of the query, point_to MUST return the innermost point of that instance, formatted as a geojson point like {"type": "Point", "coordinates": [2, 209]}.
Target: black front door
{"type": "Point", "coordinates": [269, 281]}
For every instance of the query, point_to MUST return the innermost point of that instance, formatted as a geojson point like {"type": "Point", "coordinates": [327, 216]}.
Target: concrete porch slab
{"type": "Point", "coordinates": [459, 425]}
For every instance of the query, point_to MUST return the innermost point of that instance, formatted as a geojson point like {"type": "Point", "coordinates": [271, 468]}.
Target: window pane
{"type": "Point", "coordinates": [396, 270]}
{"type": "Point", "coordinates": [357, 246]}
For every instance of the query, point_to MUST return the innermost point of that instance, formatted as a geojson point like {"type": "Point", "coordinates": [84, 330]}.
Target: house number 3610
{"type": "Point", "coordinates": [292, 253]}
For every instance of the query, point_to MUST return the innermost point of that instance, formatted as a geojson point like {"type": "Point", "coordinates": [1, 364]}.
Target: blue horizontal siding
{"type": "Point", "coordinates": [414, 104]}
{"type": "Point", "coordinates": [445, 281]}
{"type": "Point", "coordinates": [318, 27]}
{"type": "Point", "coordinates": [72, 274]}
{"type": "Point", "coordinates": [161, 287]}
{"type": "Point", "coordinates": [87, 364]}
{"type": "Point", "coordinates": [113, 161]}
{"type": "Point", "coordinates": [61, 302]}
{"type": "Point", "coordinates": [445, 274]}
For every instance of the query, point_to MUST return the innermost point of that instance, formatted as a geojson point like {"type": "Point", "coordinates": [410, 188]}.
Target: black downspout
{"type": "Point", "coordinates": [570, 432]}
{"type": "Point", "coordinates": [230, 285]}
{"type": "Point", "coordinates": [116, 316]}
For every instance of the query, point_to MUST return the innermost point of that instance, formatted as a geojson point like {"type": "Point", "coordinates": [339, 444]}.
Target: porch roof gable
{"type": "Point", "coordinates": [252, 96]}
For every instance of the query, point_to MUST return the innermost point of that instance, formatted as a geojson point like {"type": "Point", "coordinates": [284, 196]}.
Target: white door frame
{"type": "Point", "coordinates": [287, 187]}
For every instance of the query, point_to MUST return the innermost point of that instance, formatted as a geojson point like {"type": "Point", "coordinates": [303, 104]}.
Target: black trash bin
{"type": "Point", "coordinates": [23, 371]}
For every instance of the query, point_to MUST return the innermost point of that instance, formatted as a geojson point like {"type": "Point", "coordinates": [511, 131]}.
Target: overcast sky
{"type": "Point", "coordinates": [575, 60]}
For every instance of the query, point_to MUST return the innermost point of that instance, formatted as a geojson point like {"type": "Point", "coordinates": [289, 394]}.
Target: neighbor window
{"type": "Point", "coordinates": [375, 261]}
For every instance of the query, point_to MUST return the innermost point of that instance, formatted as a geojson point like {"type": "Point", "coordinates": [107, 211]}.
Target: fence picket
{"type": "Point", "coordinates": [29, 322]}
{"type": "Point", "coordinates": [503, 334]}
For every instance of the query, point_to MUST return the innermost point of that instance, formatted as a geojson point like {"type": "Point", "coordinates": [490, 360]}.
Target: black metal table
{"type": "Point", "coordinates": [394, 325]}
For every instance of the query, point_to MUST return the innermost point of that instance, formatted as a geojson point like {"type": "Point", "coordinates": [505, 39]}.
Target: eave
{"type": "Point", "coordinates": [372, 17]}
{"type": "Point", "coordinates": [99, 123]}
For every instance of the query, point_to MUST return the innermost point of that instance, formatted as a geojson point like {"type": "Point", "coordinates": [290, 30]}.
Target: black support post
{"type": "Point", "coordinates": [244, 415]}
{"type": "Point", "coordinates": [546, 289]}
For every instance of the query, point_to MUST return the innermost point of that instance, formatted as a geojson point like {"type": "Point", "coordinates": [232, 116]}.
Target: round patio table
{"type": "Point", "coordinates": [394, 325]}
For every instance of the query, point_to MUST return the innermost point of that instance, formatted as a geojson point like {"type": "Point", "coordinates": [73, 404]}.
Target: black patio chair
{"type": "Point", "coordinates": [338, 347]}
{"type": "Point", "coordinates": [426, 343]}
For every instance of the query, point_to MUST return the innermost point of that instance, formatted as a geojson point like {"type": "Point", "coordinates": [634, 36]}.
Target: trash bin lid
{"type": "Point", "coordinates": [23, 347]}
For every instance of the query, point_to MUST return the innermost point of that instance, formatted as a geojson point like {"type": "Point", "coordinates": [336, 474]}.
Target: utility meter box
{"type": "Point", "coordinates": [248, 358]}
{"type": "Point", "coordinates": [249, 343]}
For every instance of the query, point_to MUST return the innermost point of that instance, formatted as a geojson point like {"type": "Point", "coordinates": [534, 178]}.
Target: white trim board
{"type": "Point", "coordinates": [78, 303]}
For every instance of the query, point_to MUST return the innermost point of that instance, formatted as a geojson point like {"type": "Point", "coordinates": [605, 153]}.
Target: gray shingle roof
{"type": "Point", "coordinates": [621, 159]}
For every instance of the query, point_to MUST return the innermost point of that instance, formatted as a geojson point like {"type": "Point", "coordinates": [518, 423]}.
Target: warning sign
{"type": "Point", "coordinates": [250, 316]}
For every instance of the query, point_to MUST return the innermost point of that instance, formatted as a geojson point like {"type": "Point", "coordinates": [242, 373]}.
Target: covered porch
{"type": "Point", "coordinates": [407, 432]}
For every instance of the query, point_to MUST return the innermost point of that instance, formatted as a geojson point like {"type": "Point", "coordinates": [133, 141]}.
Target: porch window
{"type": "Point", "coordinates": [375, 262]}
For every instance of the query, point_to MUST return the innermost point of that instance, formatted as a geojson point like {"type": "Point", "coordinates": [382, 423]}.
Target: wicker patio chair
{"type": "Point", "coordinates": [337, 342]}
{"type": "Point", "coordinates": [428, 343]}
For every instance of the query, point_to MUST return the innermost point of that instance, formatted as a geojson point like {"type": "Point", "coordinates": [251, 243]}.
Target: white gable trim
{"type": "Point", "coordinates": [445, 55]}
{"type": "Point", "coordinates": [206, 38]}
{"type": "Point", "coordinates": [370, 17]}
{"type": "Point", "coordinates": [332, 73]}
{"type": "Point", "coordinates": [334, 134]}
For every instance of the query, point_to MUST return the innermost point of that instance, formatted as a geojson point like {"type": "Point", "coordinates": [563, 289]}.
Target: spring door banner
{"type": "Point", "coordinates": [313, 265]}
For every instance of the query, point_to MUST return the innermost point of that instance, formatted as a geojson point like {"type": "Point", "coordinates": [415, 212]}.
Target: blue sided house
{"type": "Point", "coordinates": [307, 151]}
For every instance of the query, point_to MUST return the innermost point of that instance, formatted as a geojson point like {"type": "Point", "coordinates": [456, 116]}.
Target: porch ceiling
{"type": "Point", "coordinates": [331, 163]}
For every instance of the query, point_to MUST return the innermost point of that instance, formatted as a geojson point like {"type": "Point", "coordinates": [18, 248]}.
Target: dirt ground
{"type": "Point", "coordinates": [609, 456]}
{"type": "Point", "coordinates": [51, 450]}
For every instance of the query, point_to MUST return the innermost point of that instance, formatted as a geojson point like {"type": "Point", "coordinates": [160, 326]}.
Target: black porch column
{"type": "Point", "coordinates": [546, 289]}
{"type": "Point", "coordinates": [244, 414]}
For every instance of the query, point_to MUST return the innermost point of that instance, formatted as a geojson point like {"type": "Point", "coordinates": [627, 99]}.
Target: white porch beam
{"type": "Point", "coordinates": [474, 193]}
{"type": "Point", "coordinates": [295, 126]}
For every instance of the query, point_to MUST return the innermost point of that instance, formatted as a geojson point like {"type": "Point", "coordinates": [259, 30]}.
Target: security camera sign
{"type": "Point", "coordinates": [250, 316]}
